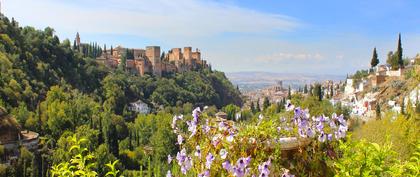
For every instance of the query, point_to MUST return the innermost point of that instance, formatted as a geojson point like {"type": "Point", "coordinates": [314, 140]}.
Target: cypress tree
{"type": "Point", "coordinates": [74, 45]}
{"type": "Point", "coordinates": [332, 91]}
{"type": "Point", "coordinates": [305, 89]}
{"type": "Point", "coordinates": [94, 50]}
{"type": "Point", "coordinates": [252, 107]}
{"type": "Point", "coordinates": [378, 111]}
{"type": "Point", "coordinates": [289, 93]}
{"type": "Point", "coordinates": [112, 50]}
{"type": "Point", "coordinates": [318, 91]}
{"type": "Point", "coordinates": [400, 52]}
{"type": "Point", "coordinates": [258, 106]}
{"type": "Point", "coordinates": [162, 57]}
{"type": "Point", "coordinates": [403, 108]}
{"type": "Point", "coordinates": [266, 103]}
{"type": "Point", "coordinates": [375, 61]}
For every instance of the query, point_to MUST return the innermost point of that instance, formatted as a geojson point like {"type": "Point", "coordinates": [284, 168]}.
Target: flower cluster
{"type": "Point", "coordinates": [240, 168]}
{"type": "Point", "coordinates": [184, 161]}
{"type": "Point", "coordinates": [218, 143]}
{"type": "Point", "coordinates": [324, 127]}
{"type": "Point", "coordinates": [264, 168]}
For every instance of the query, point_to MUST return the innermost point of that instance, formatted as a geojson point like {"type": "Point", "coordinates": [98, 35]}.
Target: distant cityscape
{"type": "Point", "coordinates": [252, 81]}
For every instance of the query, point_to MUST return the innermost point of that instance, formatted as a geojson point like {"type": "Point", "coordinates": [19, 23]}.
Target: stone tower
{"type": "Point", "coordinates": [77, 39]}
{"type": "Point", "coordinates": [188, 55]}
{"type": "Point", "coordinates": [153, 54]}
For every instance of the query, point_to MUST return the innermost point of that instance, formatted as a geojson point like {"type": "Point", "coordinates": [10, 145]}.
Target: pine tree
{"type": "Point", "coordinates": [375, 61]}
{"type": "Point", "coordinates": [400, 52]}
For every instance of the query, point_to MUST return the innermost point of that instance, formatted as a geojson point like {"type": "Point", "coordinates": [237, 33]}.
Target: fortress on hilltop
{"type": "Point", "coordinates": [151, 60]}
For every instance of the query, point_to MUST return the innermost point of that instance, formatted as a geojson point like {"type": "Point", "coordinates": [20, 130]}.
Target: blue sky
{"type": "Point", "coordinates": [325, 36]}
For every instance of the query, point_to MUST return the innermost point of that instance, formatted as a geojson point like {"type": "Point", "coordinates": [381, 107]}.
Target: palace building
{"type": "Point", "coordinates": [151, 60]}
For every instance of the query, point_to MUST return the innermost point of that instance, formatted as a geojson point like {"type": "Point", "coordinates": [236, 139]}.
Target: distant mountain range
{"type": "Point", "coordinates": [249, 81]}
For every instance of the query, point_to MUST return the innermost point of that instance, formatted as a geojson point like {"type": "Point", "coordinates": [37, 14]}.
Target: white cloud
{"type": "Point", "coordinates": [160, 19]}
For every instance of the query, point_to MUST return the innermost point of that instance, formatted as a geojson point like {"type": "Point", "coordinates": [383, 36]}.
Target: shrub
{"type": "Point", "coordinates": [401, 132]}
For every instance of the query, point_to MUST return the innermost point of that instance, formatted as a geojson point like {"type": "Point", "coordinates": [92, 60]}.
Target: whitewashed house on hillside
{"type": "Point", "coordinates": [139, 107]}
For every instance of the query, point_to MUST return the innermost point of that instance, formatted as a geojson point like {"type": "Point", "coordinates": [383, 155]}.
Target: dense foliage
{"type": "Point", "coordinates": [60, 91]}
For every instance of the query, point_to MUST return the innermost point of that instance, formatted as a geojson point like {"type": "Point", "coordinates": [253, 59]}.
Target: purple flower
{"type": "Point", "coordinates": [341, 119]}
{"type": "Point", "coordinates": [198, 151]}
{"type": "Point", "coordinates": [206, 127]}
{"type": "Point", "coordinates": [209, 160]}
{"type": "Point", "coordinates": [342, 128]}
{"type": "Point", "coordinates": [320, 126]}
{"type": "Point", "coordinates": [180, 139]}
{"type": "Point", "coordinates": [227, 166]}
{"type": "Point", "coordinates": [174, 119]}
{"type": "Point", "coordinates": [222, 126]}
{"type": "Point", "coordinates": [196, 113]}
{"type": "Point", "coordinates": [181, 156]}
{"type": "Point", "coordinates": [238, 172]}
{"type": "Point", "coordinates": [243, 162]}
{"type": "Point", "coordinates": [329, 137]}
{"type": "Point", "coordinates": [169, 159]}
{"type": "Point", "coordinates": [192, 127]}
{"type": "Point", "coordinates": [301, 133]}
{"type": "Point", "coordinates": [223, 153]}
{"type": "Point", "coordinates": [204, 174]}
{"type": "Point", "coordinates": [186, 165]}
{"type": "Point", "coordinates": [264, 168]}
{"type": "Point", "coordinates": [230, 138]}
{"type": "Point", "coordinates": [310, 132]}
{"type": "Point", "coordinates": [332, 124]}
{"type": "Point", "coordinates": [322, 137]}
{"type": "Point", "coordinates": [289, 105]}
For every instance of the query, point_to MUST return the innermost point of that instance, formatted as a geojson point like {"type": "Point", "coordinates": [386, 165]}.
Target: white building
{"type": "Point", "coordinates": [139, 107]}
{"type": "Point", "coordinates": [348, 89]}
